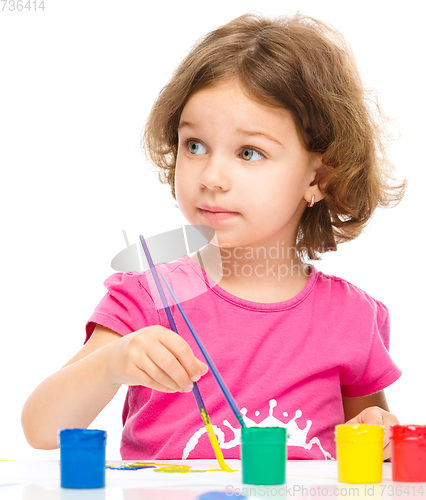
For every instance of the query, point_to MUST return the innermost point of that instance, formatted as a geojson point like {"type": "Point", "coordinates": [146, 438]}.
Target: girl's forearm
{"type": "Point", "coordinates": [70, 398]}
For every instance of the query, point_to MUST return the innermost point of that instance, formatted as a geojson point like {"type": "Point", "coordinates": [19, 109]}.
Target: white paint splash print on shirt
{"type": "Point", "coordinates": [295, 435]}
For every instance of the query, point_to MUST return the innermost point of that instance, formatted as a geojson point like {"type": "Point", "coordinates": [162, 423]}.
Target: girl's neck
{"type": "Point", "coordinates": [257, 274]}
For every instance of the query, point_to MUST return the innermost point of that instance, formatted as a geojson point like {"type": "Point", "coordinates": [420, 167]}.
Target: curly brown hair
{"type": "Point", "coordinates": [305, 66]}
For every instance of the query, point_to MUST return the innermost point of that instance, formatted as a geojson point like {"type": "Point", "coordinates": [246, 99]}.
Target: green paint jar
{"type": "Point", "coordinates": [263, 454]}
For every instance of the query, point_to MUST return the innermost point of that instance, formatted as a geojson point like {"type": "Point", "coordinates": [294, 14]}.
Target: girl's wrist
{"type": "Point", "coordinates": [105, 365]}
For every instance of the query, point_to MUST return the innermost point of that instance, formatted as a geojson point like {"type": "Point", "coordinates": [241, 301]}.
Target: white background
{"type": "Point", "coordinates": [77, 83]}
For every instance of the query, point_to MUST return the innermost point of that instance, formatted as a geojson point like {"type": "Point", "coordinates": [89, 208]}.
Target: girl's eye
{"type": "Point", "coordinates": [194, 147]}
{"type": "Point", "coordinates": [247, 154]}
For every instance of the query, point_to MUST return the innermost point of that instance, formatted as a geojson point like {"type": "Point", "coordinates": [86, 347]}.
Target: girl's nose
{"type": "Point", "coordinates": [216, 174]}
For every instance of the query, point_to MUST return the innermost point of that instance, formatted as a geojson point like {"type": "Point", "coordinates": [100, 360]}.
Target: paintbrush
{"type": "Point", "coordinates": [200, 403]}
{"type": "Point", "coordinates": [212, 366]}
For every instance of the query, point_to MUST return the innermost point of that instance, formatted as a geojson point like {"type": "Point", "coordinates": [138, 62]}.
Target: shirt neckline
{"type": "Point", "coordinates": [248, 304]}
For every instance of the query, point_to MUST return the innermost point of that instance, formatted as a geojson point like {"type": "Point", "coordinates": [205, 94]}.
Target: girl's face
{"type": "Point", "coordinates": [242, 168]}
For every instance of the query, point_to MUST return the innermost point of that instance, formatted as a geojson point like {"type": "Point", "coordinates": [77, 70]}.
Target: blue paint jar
{"type": "Point", "coordinates": [82, 458]}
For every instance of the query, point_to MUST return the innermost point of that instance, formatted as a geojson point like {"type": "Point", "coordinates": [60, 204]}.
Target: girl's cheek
{"type": "Point", "coordinates": [182, 200]}
{"type": "Point", "coordinates": [178, 183]}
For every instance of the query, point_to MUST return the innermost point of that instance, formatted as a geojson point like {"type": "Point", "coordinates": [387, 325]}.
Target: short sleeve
{"type": "Point", "coordinates": [379, 370]}
{"type": "Point", "coordinates": [126, 307]}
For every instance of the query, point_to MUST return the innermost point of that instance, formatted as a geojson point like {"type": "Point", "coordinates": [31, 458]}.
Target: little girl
{"type": "Point", "coordinates": [264, 135]}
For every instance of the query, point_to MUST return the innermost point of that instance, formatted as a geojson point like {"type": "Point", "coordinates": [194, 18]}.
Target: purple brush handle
{"type": "Point", "coordinates": [212, 366]}
{"type": "Point", "coordinates": [195, 390]}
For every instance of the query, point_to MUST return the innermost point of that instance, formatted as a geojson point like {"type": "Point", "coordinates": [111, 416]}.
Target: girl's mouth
{"type": "Point", "coordinates": [217, 215]}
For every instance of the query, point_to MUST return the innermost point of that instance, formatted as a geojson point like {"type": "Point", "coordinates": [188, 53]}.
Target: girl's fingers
{"type": "Point", "coordinates": [387, 451]}
{"type": "Point", "coordinates": [353, 421]}
{"type": "Point", "coordinates": [372, 416]}
{"type": "Point", "coordinates": [185, 357]}
{"type": "Point", "coordinates": [377, 416]}
{"type": "Point", "coordinates": [165, 367]}
{"type": "Point", "coordinates": [148, 374]}
{"type": "Point", "coordinates": [203, 367]}
{"type": "Point", "coordinates": [158, 358]}
{"type": "Point", "coordinates": [153, 384]}
{"type": "Point", "coordinates": [156, 374]}
{"type": "Point", "coordinates": [388, 420]}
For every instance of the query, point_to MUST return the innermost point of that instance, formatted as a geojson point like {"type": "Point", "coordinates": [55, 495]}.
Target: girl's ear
{"type": "Point", "coordinates": [313, 188]}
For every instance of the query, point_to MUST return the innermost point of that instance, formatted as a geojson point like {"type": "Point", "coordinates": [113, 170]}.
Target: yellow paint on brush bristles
{"type": "Point", "coordinates": [213, 441]}
{"type": "Point", "coordinates": [170, 468]}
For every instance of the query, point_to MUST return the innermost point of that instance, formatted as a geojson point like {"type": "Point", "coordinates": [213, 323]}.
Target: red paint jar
{"type": "Point", "coordinates": [408, 448]}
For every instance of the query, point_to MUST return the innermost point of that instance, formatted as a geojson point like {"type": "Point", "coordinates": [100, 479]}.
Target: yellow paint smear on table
{"type": "Point", "coordinates": [164, 468]}
{"type": "Point", "coordinates": [177, 468]}
{"type": "Point", "coordinates": [183, 469]}
{"type": "Point", "coordinates": [170, 469]}
{"type": "Point", "coordinates": [131, 466]}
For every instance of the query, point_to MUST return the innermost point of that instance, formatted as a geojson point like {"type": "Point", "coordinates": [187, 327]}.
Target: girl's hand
{"type": "Point", "coordinates": [154, 357]}
{"type": "Point", "coordinates": [377, 416]}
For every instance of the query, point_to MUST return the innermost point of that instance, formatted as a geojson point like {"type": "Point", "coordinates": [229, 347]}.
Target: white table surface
{"type": "Point", "coordinates": [40, 480]}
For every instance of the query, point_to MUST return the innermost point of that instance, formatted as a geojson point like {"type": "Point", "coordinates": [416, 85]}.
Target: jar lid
{"type": "Point", "coordinates": [82, 437]}
{"type": "Point", "coordinates": [408, 432]}
{"type": "Point", "coordinates": [359, 432]}
{"type": "Point", "coordinates": [263, 434]}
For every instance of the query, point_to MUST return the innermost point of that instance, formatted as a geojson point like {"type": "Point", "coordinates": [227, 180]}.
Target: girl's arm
{"type": "Point", "coordinates": [354, 406]}
{"type": "Point", "coordinates": [72, 397]}
{"type": "Point", "coordinates": [373, 410]}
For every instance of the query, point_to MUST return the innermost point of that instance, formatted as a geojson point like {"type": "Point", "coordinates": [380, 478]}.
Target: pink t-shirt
{"type": "Point", "coordinates": [286, 363]}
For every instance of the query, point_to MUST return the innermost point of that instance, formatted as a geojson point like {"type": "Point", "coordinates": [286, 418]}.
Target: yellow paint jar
{"type": "Point", "coordinates": [359, 450]}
